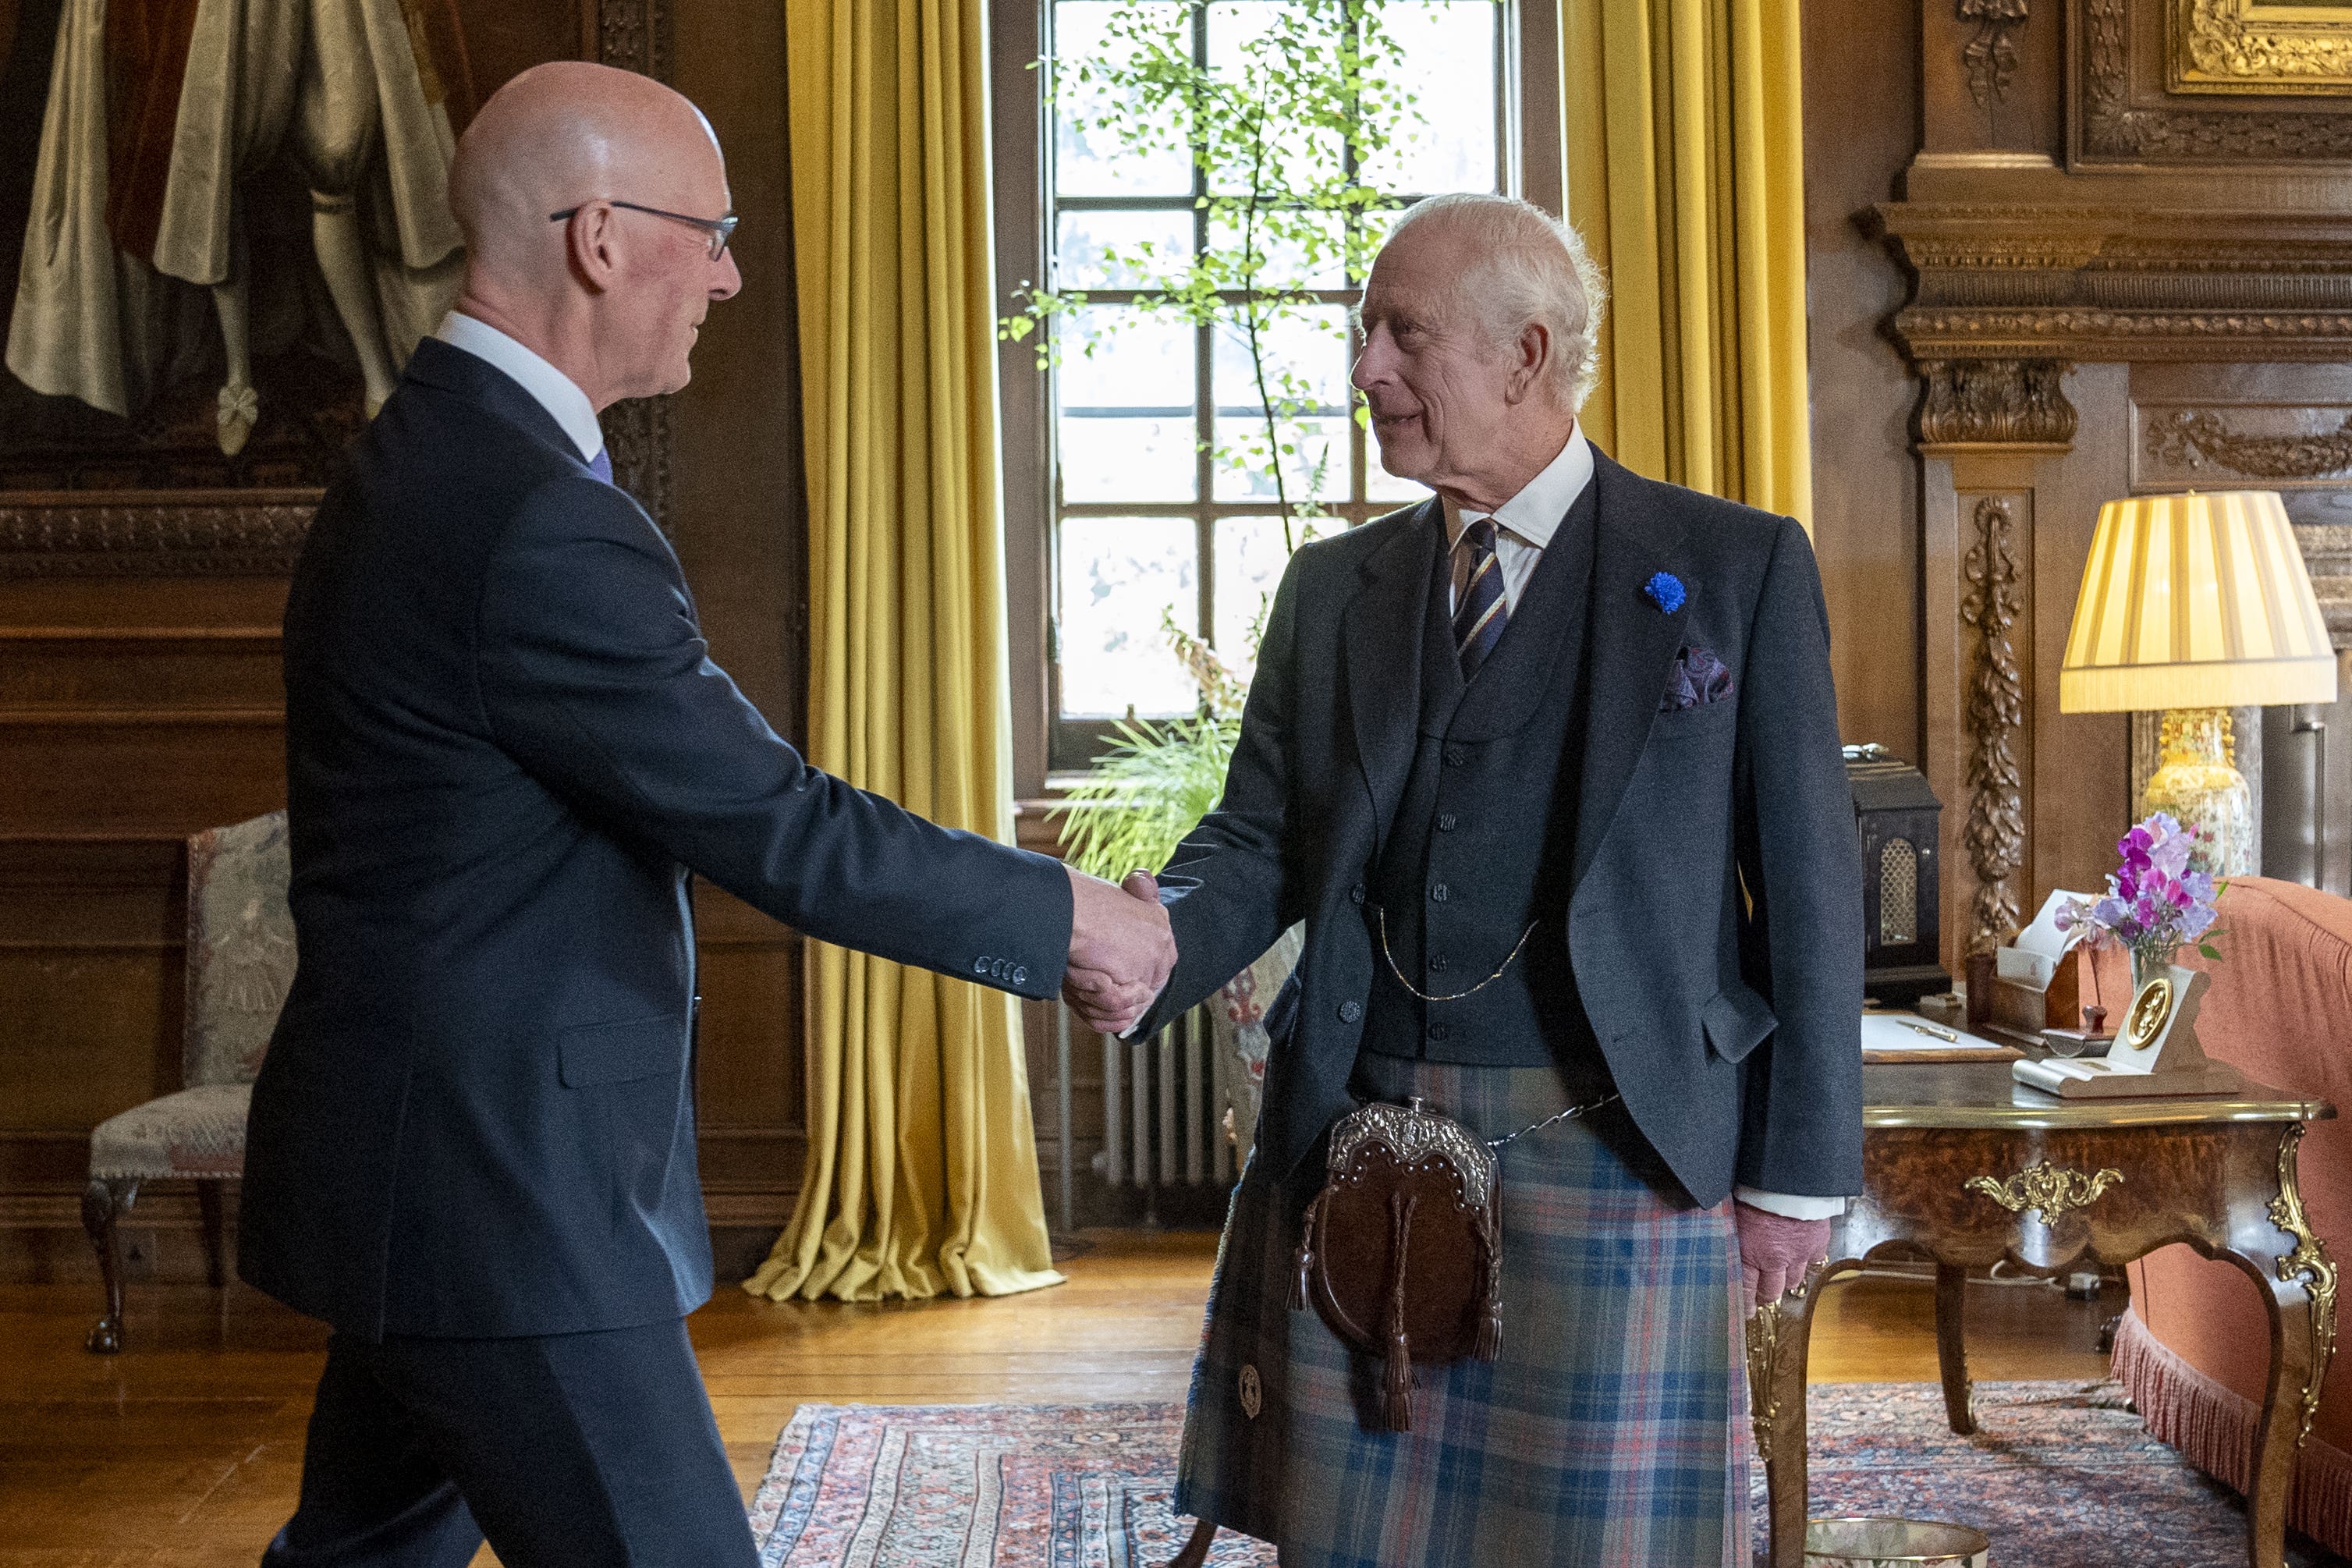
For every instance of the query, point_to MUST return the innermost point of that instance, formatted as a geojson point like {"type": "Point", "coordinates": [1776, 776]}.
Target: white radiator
{"type": "Point", "coordinates": [1164, 1104]}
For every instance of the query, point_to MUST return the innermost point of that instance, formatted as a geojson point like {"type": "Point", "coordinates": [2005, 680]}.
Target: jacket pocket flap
{"type": "Point", "coordinates": [1737, 1021]}
{"type": "Point", "coordinates": [619, 1053]}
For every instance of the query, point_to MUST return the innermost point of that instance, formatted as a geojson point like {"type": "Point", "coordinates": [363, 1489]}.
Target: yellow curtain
{"type": "Point", "coordinates": [921, 1175]}
{"type": "Point", "coordinates": [1685, 157]}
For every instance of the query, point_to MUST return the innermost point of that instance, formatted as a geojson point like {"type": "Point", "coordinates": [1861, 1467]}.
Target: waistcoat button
{"type": "Point", "coordinates": [1438, 892]}
{"type": "Point", "coordinates": [1350, 1010]}
{"type": "Point", "coordinates": [1437, 963]}
{"type": "Point", "coordinates": [1445, 822]}
{"type": "Point", "coordinates": [1355, 894]}
{"type": "Point", "coordinates": [1440, 1032]}
{"type": "Point", "coordinates": [1455, 756]}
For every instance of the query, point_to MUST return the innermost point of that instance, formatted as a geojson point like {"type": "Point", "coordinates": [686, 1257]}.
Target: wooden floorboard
{"type": "Point", "coordinates": [185, 1449]}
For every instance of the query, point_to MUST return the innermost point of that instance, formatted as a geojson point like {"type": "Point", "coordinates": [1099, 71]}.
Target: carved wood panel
{"type": "Point", "coordinates": [2138, 98]}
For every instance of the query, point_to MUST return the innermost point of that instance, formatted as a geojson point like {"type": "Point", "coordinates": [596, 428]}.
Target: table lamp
{"type": "Point", "coordinates": [2198, 603]}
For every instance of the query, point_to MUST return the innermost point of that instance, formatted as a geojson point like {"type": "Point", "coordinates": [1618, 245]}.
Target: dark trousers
{"type": "Point", "coordinates": [594, 1451]}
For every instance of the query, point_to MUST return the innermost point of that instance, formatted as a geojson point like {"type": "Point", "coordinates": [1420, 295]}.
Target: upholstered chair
{"type": "Point", "coordinates": [240, 963]}
{"type": "Point", "coordinates": [2194, 1349]}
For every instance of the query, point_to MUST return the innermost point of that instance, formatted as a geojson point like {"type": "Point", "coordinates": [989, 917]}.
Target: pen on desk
{"type": "Point", "coordinates": [1945, 1035]}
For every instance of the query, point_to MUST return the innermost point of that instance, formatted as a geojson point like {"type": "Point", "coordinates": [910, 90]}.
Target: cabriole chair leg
{"type": "Point", "coordinates": [103, 1204]}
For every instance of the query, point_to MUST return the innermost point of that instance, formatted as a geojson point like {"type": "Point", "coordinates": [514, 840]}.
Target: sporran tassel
{"type": "Point", "coordinates": [1396, 1381]}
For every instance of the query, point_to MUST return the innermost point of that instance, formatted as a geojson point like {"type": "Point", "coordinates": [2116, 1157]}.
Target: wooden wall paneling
{"type": "Point", "coordinates": [1988, 73]}
{"type": "Point", "coordinates": [2082, 796]}
{"type": "Point", "coordinates": [1862, 93]}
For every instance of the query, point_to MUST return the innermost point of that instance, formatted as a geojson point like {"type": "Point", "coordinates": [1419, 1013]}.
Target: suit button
{"type": "Point", "coordinates": [980, 966]}
{"type": "Point", "coordinates": [1446, 822]}
{"type": "Point", "coordinates": [1350, 1010]}
{"type": "Point", "coordinates": [1440, 1032]}
{"type": "Point", "coordinates": [1356, 895]}
{"type": "Point", "coordinates": [1455, 756]}
{"type": "Point", "coordinates": [1438, 893]}
{"type": "Point", "coordinates": [1437, 963]}
{"type": "Point", "coordinates": [1020, 974]}
{"type": "Point", "coordinates": [996, 968]}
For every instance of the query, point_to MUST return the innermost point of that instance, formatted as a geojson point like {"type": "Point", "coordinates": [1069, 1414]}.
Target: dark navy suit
{"type": "Point", "coordinates": [471, 1149]}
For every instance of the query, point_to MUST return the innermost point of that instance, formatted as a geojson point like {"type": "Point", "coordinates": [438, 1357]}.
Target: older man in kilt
{"type": "Point", "coordinates": [1548, 766]}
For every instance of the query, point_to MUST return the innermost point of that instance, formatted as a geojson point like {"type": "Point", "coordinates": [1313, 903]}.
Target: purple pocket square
{"type": "Point", "coordinates": [1699, 677]}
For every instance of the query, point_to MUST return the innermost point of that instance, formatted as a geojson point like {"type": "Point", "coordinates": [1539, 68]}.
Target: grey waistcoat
{"type": "Point", "coordinates": [1482, 841]}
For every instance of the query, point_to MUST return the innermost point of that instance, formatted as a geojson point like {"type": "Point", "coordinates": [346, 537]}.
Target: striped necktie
{"type": "Point", "coordinates": [1478, 610]}
{"type": "Point", "coordinates": [601, 464]}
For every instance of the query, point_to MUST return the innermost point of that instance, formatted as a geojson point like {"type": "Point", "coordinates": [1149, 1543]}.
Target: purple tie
{"type": "Point", "coordinates": [601, 464]}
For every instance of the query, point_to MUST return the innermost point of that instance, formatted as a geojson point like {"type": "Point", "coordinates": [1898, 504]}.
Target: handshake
{"type": "Point", "coordinates": [1121, 951]}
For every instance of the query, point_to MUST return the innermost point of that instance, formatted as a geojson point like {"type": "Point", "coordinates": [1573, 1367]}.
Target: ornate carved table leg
{"type": "Point", "coordinates": [103, 1203]}
{"type": "Point", "coordinates": [2300, 1296]}
{"type": "Point", "coordinates": [1780, 1340]}
{"type": "Point", "coordinates": [1951, 1347]}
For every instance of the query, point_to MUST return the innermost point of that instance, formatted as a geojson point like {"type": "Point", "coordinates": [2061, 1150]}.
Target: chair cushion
{"type": "Point", "coordinates": [198, 1132]}
{"type": "Point", "coordinates": [240, 948]}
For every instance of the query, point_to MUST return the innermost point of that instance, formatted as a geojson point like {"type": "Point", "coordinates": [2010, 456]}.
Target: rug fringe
{"type": "Point", "coordinates": [2215, 1427]}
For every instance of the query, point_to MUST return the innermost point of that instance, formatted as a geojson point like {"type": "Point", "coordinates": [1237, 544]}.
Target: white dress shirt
{"type": "Point", "coordinates": [550, 387]}
{"type": "Point", "coordinates": [1523, 528]}
{"type": "Point", "coordinates": [1524, 524]}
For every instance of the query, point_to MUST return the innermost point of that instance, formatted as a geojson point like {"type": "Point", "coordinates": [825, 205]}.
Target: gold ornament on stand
{"type": "Point", "coordinates": [2198, 603]}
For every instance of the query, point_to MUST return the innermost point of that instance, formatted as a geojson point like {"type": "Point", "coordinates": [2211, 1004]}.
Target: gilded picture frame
{"type": "Point", "coordinates": [2268, 47]}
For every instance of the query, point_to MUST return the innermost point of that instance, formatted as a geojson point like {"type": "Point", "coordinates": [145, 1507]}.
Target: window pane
{"type": "Point", "coordinates": [1253, 43]}
{"type": "Point", "coordinates": [1250, 561]}
{"type": "Point", "coordinates": [1138, 152]}
{"type": "Point", "coordinates": [1304, 352]}
{"type": "Point", "coordinates": [1121, 249]}
{"type": "Point", "coordinates": [1125, 390]}
{"type": "Point", "coordinates": [1119, 576]}
{"type": "Point", "coordinates": [1446, 65]}
{"type": "Point", "coordinates": [1297, 250]}
{"type": "Point", "coordinates": [1245, 466]}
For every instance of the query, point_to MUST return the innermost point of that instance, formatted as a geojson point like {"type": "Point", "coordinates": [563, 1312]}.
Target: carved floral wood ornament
{"type": "Point", "coordinates": [1992, 53]}
{"type": "Point", "coordinates": [1995, 831]}
{"type": "Point", "coordinates": [2055, 1190]}
{"type": "Point", "coordinates": [2197, 438]}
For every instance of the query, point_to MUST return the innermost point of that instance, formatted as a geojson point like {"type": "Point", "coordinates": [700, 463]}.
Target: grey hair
{"type": "Point", "coordinates": [1534, 272]}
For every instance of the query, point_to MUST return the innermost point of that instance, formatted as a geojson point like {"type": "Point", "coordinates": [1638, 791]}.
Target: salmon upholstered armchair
{"type": "Point", "coordinates": [240, 965]}
{"type": "Point", "coordinates": [2194, 1348]}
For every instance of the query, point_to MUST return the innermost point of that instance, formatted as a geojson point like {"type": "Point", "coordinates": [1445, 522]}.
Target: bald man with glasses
{"type": "Point", "coordinates": [471, 1149]}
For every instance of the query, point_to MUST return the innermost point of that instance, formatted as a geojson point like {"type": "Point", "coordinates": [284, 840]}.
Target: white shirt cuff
{"type": "Point", "coordinates": [1792, 1206]}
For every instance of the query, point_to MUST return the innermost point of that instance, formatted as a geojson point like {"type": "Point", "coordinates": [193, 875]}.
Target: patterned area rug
{"type": "Point", "coordinates": [2058, 1475]}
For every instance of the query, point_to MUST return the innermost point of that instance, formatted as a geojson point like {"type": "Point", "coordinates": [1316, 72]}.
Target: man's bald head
{"type": "Point", "coordinates": [567, 132]}
{"type": "Point", "coordinates": [612, 293]}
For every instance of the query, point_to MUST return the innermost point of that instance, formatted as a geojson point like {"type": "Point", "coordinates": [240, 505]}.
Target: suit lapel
{"type": "Point", "coordinates": [1382, 631]}
{"type": "Point", "coordinates": [1633, 646]}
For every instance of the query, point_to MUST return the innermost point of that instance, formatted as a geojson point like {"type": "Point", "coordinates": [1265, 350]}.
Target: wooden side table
{"type": "Point", "coordinates": [1963, 1164]}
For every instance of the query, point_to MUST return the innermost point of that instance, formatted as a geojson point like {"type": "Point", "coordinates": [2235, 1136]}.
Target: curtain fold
{"type": "Point", "coordinates": [1685, 159]}
{"type": "Point", "coordinates": [922, 1171]}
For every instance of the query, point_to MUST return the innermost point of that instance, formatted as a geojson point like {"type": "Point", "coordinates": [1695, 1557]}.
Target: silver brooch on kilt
{"type": "Point", "coordinates": [1252, 1396]}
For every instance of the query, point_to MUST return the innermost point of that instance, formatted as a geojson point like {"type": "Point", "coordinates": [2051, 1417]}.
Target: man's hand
{"type": "Point", "coordinates": [1774, 1253]}
{"type": "Point", "coordinates": [1121, 951]}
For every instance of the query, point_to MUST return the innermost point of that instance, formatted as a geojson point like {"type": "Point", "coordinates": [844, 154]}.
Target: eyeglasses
{"type": "Point", "coordinates": [719, 229]}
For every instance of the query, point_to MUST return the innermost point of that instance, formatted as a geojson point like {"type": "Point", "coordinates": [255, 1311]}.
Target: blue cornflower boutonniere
{"type": "Point", "coordinates": [1667, 590]}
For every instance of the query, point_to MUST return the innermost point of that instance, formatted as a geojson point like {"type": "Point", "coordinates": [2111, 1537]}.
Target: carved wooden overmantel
{"type": "Point", "coordinates": [2128, 232]}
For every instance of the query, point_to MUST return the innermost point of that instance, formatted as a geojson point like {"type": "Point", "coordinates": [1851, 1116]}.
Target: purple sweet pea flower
{"type": "Point", "coordinates": [2159, 898]}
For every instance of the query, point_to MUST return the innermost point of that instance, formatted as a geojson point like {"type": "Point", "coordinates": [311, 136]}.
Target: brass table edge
{"type": "Point", "coordinates": [2093, 1114]}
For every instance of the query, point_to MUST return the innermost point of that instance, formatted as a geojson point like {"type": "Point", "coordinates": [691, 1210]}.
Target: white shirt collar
{"type": "Point", "coordinates": [1535, 513]}
{"type": "Point", "coordinates": [554, 391]}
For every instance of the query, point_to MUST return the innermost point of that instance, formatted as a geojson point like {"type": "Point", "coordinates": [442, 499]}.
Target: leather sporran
{"type": "Point", "coordinates": [1402, 1253]}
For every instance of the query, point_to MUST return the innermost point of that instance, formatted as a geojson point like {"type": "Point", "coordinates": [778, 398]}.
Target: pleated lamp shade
{"type": "Point", "coordinates": [2196, 601]}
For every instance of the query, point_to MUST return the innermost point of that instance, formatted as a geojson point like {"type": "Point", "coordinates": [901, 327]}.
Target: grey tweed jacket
{"type": "Point", "coordinates": [1716, 920]}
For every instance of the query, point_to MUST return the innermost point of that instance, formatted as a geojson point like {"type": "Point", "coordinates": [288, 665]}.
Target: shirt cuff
{"type": "Point", "coordinates": [1791, 1205]}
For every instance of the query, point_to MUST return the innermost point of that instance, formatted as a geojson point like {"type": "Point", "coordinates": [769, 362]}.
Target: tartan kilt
{"type": "Point", "coordinates": [1611, 1431]}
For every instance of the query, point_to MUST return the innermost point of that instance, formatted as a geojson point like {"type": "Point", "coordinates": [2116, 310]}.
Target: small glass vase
{"type": "Point", "coordinates": [2150, 960]}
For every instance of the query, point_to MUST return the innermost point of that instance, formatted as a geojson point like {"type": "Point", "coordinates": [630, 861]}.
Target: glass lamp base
{"type": "Point", "coordinates": [2200, 787]}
